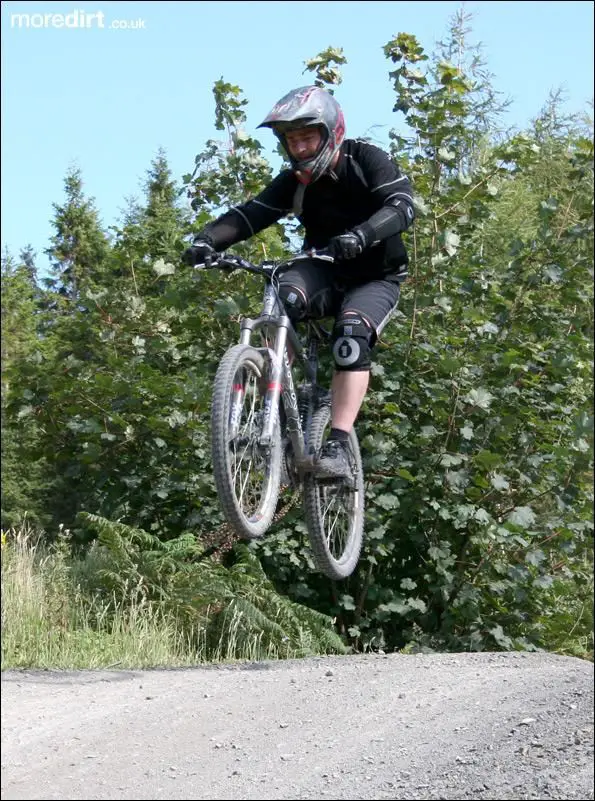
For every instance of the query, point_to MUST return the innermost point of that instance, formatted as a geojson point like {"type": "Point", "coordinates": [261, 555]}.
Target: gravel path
{"type": "Point", "coordinates": [450, 726]}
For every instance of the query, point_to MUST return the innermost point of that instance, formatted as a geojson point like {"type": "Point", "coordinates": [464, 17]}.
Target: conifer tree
{"type": "Point", "coordinates": [163, 216]}
{"type": "Point", "coordinates": [79, 247]}
{"type": "Point", "coordinates": [23, 473]}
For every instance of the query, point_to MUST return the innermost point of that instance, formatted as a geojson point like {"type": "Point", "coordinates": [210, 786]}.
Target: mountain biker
{"type": "Point", "coordinates": [352, 201]}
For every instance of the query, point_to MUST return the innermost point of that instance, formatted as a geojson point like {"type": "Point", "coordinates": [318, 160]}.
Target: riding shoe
{"type": "Point", "coordinates": [332, 461]}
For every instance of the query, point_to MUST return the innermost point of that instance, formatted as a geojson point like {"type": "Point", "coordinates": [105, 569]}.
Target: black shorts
{"type": "Point", "coordinates": [312, 290]}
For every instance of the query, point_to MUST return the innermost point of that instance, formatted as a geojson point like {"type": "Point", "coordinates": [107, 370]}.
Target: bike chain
{"type": "Point", "coordinates": [223, 539]}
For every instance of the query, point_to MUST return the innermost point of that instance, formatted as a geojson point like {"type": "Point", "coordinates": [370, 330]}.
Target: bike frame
{"type": "Point", "coordinates": [281, 382]}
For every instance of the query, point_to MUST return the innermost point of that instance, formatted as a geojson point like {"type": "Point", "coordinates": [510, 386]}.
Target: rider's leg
{"type": "Point", "coordinates": [348, 391]}
{"type": "Point", "coordinates": [307, 290]}
{"type": "Point", "coordinates": [365, 311]}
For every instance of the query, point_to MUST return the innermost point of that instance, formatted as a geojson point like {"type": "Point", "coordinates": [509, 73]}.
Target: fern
{"type": "Point", "coordinates": [237, 608]}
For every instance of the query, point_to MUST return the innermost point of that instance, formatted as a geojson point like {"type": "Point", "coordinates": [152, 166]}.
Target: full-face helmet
{"type": "Point", "coordinates": [305, 107]}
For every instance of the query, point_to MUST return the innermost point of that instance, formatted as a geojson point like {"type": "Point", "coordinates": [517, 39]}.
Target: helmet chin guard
{"type": "Point", "coordinates": [302, 108]}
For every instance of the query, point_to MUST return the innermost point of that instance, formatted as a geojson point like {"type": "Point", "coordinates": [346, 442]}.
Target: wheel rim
{"type": "Point", "coordinates": [251, 466]}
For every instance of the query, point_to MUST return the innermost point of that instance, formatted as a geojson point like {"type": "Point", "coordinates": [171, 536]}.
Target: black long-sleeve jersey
{"type": "Point", "coordinates": [365, 189]}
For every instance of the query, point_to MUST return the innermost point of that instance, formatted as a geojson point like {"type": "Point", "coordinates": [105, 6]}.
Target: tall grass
{"type": "Point", "coordinates": [58, 613]}
{"type": "Point", "coordinates": [49, 621]}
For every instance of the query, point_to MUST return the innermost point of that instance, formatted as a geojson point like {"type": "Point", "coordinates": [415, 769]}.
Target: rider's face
{"type": "Point", "coordinates": [303, 143]}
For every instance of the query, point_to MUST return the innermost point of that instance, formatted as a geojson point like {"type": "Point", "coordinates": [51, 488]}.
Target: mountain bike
{"type": "Point", "coordinates": [264, 428]}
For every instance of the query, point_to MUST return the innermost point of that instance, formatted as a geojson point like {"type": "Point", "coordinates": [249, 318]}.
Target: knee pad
{"type": "Point", "coordinates": [351, 344]}
{"type": "Point", "coordinates": [294, 300]}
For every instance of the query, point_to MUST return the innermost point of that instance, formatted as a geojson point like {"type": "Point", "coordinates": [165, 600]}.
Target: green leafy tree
{"type": "Point", "coordinates": [477, 443]}
{"type": "Point", "coordinates": [327, 75]}
{"type": "Point", "coordinates": [231, 171]}
{"type": "Point", "coordinates": [474, 447]}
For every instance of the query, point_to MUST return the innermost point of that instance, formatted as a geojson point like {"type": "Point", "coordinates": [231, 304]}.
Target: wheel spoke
{"type": "Point", "coordinates": [340, 514]}
{"type": "Point", "coordinates": [249, 474]}
{"type": "Point", "coordinates": [334, 512]}
{"type": "Point", "coordinates": [246, 476]}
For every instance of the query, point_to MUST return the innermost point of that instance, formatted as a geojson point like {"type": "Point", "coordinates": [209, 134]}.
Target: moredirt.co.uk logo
{"type": "Point", "coordinates": [78, 18]}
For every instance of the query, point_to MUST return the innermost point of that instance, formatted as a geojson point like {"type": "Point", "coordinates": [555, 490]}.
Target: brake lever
{"type": "Point", "coordinates": [321, 254]}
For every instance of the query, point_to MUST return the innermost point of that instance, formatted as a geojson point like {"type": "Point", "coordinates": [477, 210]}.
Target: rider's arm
{"type": "Point", "coordinates": [390, 188]}
{"type": "Point", "coordinates": [243, 221]}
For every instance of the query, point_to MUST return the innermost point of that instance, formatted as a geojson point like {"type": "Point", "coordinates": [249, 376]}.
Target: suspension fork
{"type": "Point", "coordinates": [235, 413]}
{"type": "Point", "coordinates": [275, 385]}
{"type": "Point", "coordinates": [238, 390]}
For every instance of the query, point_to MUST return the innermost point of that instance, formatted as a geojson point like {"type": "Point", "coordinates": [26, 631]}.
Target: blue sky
{"type": "Point", "coordinates": [106, 99]}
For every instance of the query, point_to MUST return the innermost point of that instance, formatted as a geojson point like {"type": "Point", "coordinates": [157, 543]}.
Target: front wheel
{"type": "Point", "coordinates": [334, 511]}
{"type": "Point", "coordinates": [246, 473]}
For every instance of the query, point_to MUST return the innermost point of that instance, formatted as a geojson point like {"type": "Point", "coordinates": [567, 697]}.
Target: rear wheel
{"type": "Point", "coordinates": [334, 509]}
{"type": "Point", "coordinates": [246, 473]}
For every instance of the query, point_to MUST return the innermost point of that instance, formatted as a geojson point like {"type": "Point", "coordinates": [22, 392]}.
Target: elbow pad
{"type": "Point", "coordinates": [386, 222]}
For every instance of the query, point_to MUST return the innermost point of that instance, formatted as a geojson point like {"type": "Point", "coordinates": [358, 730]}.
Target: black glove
{"type": "Point", "coordinates": [347, 246]}
{"type": "Point", "coordinates": [200, 254]}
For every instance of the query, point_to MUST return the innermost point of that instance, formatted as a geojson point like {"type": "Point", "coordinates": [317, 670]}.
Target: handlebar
{"type": "Point", "coordinates": [232, 262]}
